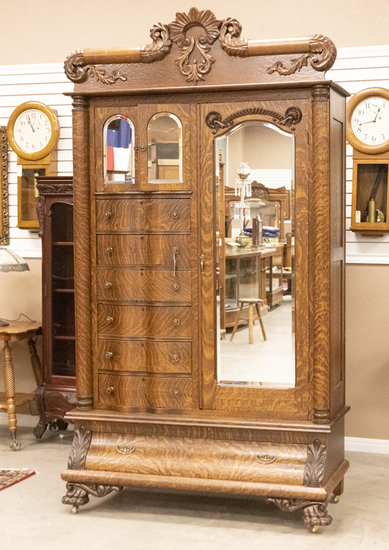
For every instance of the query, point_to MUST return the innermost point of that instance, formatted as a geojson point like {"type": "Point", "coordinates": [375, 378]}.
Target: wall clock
{"type": "Point", "coordinates": [368, 121]}
{"type": "Point", "coordinates": [33, 132]}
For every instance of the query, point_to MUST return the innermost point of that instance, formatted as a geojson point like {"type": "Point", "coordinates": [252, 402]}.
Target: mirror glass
{"type": "Point", "coordinates": [164, 149]}
{"type": "Point", "coordinates": [255, 256]}
{"type": "Point", "coordinates": [119, 139]}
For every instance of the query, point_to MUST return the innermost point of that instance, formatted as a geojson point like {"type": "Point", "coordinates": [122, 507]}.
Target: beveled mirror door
{"type": "Point", "coordinates": [255, 301]}
{"type": "Point", "coordinates": [119, 150]}
{"type": "Point", "coordinates": [164, 136]}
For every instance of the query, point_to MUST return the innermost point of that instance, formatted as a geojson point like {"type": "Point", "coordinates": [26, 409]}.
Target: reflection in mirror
{"type": "Point", "coordinates": [254, 260]}
{"type": "Point", "coordinates": [119, 138]}
{"type": "Point", "coordinates": [164, 149]}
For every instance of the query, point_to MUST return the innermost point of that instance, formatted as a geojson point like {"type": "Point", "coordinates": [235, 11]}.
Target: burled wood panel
{"type": "Point", "coordinates": [144, 356]}
{"type": "Point", "coordinates": [198, 458]}
{"type": "Point", "coordinates": [143, 285]}
{"type": "Point", "coordinates": [121, 392]}
{"type": "Point", "coordinates": [148, 214]}
{"type": "Point", "coordinates": [144, 321]}
{"type": "Point", "coordinates": [147, 250]}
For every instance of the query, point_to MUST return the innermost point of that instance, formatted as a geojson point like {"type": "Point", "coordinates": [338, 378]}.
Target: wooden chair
{"type": "Point", "coordinates": [251, 303]}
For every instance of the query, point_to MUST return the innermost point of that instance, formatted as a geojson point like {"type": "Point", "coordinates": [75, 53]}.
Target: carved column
{"type": "Point", "coordinates": [82, 257]}
{"type": "Point", "coordinates": [320, 224]}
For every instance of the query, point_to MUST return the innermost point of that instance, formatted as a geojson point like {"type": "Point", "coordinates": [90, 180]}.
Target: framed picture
{"type": "Point", "coordinates": [4, 216]}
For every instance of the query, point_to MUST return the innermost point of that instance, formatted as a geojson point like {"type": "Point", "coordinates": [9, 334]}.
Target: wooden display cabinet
{"type": "Point", "coordinates": [56, 396]}
{"type": "Point", "coordinates": [152, 411]}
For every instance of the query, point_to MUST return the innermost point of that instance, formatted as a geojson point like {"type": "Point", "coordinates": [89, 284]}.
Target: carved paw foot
{"type": "Point", "coordinates": [76, 495]}
{"type": "Point", "coordinates": [40, 429]}
{"type": "Point", "coordinates": [316, 515]}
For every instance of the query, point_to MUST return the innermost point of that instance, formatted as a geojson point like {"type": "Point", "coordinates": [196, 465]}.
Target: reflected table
{"type": "Point", "coordinates": [15, 331]}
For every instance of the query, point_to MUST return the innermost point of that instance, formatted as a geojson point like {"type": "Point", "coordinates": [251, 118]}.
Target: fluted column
{"type": "Point", "coordinates": [82, 256]}
{"type": "Point", "coordinates": [320, 224]}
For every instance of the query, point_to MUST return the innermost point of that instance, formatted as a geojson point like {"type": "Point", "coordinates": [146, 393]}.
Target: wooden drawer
{"type": "Point", "coordinates": [143, 215]}
{"type": "Point", "coordinates": [143, 356]}
{"type": "Point", "coordinates": [123, 391]}
{"type": "Point", "coordinates": [144, 321]}
{"type": "Point", "coordinates": [143, 285]}
{"type": "Point", "coordinates": [147, 250]}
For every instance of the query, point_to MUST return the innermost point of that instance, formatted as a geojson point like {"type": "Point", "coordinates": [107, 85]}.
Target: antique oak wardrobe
{"type": "Point", "coordinates": [165, 400]}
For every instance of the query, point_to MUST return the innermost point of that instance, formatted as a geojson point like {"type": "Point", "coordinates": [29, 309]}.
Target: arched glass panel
{"type": "Point", "coordinates": [164, 136]}
{"type": "Point", "coordinates": [119, 139]}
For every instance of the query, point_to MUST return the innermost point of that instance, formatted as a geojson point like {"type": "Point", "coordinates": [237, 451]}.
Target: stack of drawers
{"type": "Point", "coordinates": [144, 303]}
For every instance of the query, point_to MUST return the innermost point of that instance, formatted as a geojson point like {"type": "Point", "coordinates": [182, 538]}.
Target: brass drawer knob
{"type": "Point", "coordinates": [265, 459]}
{"type": "Point", "coordinates": [109, 319]}
{"type": "Point", "coordinates": [176, 286]}
{"type": "Point", "coordinates": [176, 322]}
{"type": "Point", "coordinates": [108, 215]}
{"type": "Point", "coordinates": [110, 389]}
{"type": "Point", "coordinates": [108, 285]}
{"type": "Point", "coordinates": [176, 393]}
{"type": "Point", "coordinates": [108, 250]}
{"type": "Point", "coordinates": [175, 215]}
{"type": "Point", "coordinates": [109, 355]}
{"type": "Point", "coordinates": [176, 358]}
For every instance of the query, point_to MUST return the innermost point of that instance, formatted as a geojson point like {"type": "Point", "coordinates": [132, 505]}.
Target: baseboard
{"type": "Point", "coordinates": [363, 445]}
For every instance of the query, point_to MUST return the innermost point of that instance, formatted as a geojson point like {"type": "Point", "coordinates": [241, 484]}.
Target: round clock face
{"type": "Point", "coordinates": [32, 130]}
{"type": "Point", "coordinates": [370, 121]}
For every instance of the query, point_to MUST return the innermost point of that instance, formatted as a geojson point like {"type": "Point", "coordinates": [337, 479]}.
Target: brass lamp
{"type": "Point", "coordinates": [9, 261]}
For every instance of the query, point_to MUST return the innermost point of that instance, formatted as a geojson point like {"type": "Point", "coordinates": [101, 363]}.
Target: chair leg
{"type": "Point", "coordinates": [236, 322]}
{"type": "Point", "coordinates": [251, 317]}
{"type": "Point", "coordinates": [260, 321]}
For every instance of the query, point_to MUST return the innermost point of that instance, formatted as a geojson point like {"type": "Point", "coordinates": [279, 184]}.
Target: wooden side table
{"type": "Point", "coordinates": [19, 330]}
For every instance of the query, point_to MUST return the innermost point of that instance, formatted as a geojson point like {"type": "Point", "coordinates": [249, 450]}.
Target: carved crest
{"type": "Point", "coordinates": [195, 60]}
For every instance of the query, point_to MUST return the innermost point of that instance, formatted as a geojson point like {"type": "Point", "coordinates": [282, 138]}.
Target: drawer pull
{"type": "Point", "coordinates": [110, 389]}
{"type": "Point", "coordinates": [109, 319]}
{"type": "Point", "coordinates": [109, 355]}
{"type": "Point", "coordinates": [176, 322]}
{"type": "Point", "coordinates": [125, 449]}
{"type": "Point", "coordinates": [175, 215]}
{"type": "Point", "coordinates": [176, 393]}
{"type": "Point", "coordinates": [109, 249]}
{"type": "Point", "coordinates": [265, 459]}
{"type": "Point", "coordinates": [176, 286]}
{"type": "Point", "coordinates": [108, 215]}
{"type": "Point", "coordinates": [108, 285]}
{"type": "Point", "coordinates": [176, 358]}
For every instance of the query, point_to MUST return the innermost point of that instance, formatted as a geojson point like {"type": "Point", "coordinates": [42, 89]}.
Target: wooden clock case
{"type": "Point", "coordinates": [142, 421]}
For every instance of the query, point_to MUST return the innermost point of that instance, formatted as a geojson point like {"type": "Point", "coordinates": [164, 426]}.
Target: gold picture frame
{"type": "Point", "coordinates": [4, 216]}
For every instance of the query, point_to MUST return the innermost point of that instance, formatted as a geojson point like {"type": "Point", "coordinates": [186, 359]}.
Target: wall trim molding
{"type": "Point", "coordinates": [363, 445]}
{"type": "Point", "coordinates": [363, 259]}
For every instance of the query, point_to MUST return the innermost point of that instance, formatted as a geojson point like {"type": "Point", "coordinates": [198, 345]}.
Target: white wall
{"type": "Point", "coordinates": [45, 83]}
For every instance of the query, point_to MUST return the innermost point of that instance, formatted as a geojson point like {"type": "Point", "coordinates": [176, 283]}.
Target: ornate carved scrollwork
{"type": "Point", "coordinates": [314, 513]}
{"type": "Point", "coordinates": [77, 494]}
{"type": "Point", "coordinates": [291, 117]}
{"type": "Point", "coordinates": [190, 66]}
{"type": "Point", "coordinates": [321, 56]}
{"type": "Point", "coordinates": [77, 70]}
{"type": "Point", "coordinates": [79, 450]}
{"type": "Point", "coordinates": [314, 468]}
{"type": "Point", "coordinates": [230, 38]}
{"type": "Point", "coordinates": [160, 45]}
{"type": "Point", "coordinates": [40, 210]}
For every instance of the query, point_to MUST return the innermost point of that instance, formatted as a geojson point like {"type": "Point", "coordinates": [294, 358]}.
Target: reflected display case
{"type": "Point", "coordinates": [163, 401]}
{"type": "Point", "coordinates": [55, 213]}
